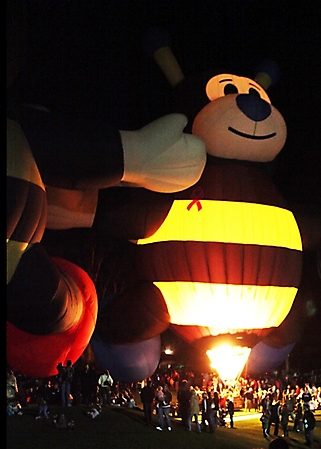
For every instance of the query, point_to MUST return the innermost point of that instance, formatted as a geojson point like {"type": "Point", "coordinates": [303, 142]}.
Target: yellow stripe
{"type": "Point", "coordinates": [20, 161]}
{"type": "Point", "coordinates": [229, 222]}
{"type": "Point", "coordinates": [14, 253]}
{"type": "Point", "coordinates": [227, 308]}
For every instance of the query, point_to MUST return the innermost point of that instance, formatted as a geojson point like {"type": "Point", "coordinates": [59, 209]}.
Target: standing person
{"type": "Point", "coordinates": [89, 381]}
{"type": "Point", "coordinates": [285, 414]}
{"type": "Point", "coordinates": [306, 396]}
{"type": "Point", "coordinates": [105, 382]}
{"type": "Point", "coordinates": [194, 409]}
{"type": "Point", "coordinates": [265, 419]}
{"type": "Point", "coordinates": [176, 377]}
{"type": "Point", "coordinates": [42, 399]}
{"type": "Point", "coordinates": [163, 405]}
{"type": "Point", "coordinates": [60, 370]}
{"type": "Point", "coordinates": [248, 399]}
{"type": "Point", "coordinates": [298, 420]}
{"type": "Point", "coordinates": [291, 402]}
{"type": "Point", "coordinates": [230, 411]}
{"type": "Point", "coordinates": [12, 385]}
{"type": "Point", "coordinates": [75, 390]}
{"type": "Point", "coordinates": [205, 411]}
{"type": "Point", "coordinates": [147, 396]}
{"type": "Point", "coordinates": [213, 410]}
{"type": "Point", "coordinates": [183, 398]}
{"type": "Point", "coordinates": [42, 408]}
{"type": "Point", "coordinates": [309, 424]}
{"type": "Point", "coordinates": [275, 411]}
{"type": "Point", "coordinates": [66, 380]}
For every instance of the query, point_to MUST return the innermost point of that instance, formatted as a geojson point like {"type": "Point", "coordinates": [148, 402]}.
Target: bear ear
{"type": "Point", "coordinates": [267, 73]}
{"type": "Point", "coordinates": [215, 87]}
{"type": "Point", "coordinates": [226, 83]}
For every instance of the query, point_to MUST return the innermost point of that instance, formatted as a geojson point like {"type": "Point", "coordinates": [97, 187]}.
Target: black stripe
{"type": "Point", "coordinates": [217, 262]}
{"type": "Point", "coordinates": [26, 210]}
{"type": "Point", "coordinates": [233, 181]}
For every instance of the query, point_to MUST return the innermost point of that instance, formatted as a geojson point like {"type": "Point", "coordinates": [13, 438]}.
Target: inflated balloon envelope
{"type": "Point", "coordinates": [250, 229]}
{"type": "Point", "coordinates": [127, 362]}
{"type": "Point", "coordinates": [221, 258]}
{"type": "Point", "coordinates": [228, 256]}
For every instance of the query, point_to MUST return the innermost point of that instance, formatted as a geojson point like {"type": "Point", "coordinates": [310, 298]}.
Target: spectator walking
{"type": "Point", "coordinates": [163, 406]}
{"type": "Point", "coordinates": [147, 396]}
{"type": "Point", "coordinates": [105, 382]}
{"type": "Point", "coordinates": [194, 409]}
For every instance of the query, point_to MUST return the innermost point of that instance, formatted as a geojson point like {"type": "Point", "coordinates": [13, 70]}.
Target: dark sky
{"type": "Point", "coordinates": [87, 57]}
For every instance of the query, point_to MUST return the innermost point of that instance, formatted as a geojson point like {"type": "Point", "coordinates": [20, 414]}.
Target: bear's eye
{"type": "Point", "coordinates": [230, 89]}
{"type": "Point", "coordinates": [253, 91]}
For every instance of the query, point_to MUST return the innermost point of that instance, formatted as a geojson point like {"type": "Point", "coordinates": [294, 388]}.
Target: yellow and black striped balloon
{"type": "Point", "coordinates": [228, 256]}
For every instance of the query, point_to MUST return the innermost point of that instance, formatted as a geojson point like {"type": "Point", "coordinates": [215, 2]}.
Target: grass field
{"type": "Point", "coordinates": [121, 428]}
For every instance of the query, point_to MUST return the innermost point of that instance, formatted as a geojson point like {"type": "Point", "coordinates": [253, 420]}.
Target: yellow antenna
{"type": "Point", "coordinates": [157, 44]}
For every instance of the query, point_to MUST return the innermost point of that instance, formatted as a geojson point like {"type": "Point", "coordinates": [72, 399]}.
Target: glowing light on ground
{"type": "Point", "coordinates": [228, 361]}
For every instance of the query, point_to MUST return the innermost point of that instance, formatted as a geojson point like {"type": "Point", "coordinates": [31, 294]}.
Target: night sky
{"type": "Point", "coordinates": [87, 57]}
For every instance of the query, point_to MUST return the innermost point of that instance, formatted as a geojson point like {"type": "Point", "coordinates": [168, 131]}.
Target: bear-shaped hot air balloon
{"type": "Point", "coordinates": [233, 125]}
{"type": "Point", "coordinates": [226, 253]}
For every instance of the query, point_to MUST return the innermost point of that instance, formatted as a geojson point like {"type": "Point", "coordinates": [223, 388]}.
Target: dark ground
{"type": "Point", "coordinates": [121, 428]}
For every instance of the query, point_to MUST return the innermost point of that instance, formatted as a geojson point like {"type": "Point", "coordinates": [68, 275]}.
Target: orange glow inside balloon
{"type": "Point", "coordinates": [228, 307]}
{"type": "Point", "coordinates": [228, 361]}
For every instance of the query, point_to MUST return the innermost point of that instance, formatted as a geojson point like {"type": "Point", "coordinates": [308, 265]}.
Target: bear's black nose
{"type": "Point", "coordinates": [253, 107]}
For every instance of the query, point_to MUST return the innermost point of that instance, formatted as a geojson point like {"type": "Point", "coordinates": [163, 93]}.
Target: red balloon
{"type": "Point", "coordinates": [38, 355]}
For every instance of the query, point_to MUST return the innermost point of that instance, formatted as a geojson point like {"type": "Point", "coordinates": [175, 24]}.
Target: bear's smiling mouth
{"type": "Point", "coordinates": [249, 136]}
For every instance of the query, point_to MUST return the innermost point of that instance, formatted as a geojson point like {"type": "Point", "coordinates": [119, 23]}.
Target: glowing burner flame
{"type": "Point", "coordinates": [228, 361]}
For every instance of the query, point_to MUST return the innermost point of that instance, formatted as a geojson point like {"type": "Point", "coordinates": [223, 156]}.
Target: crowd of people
{"type": "Point", "coordinates": [279, 401]}
{"type": "Point", "coordinates": [200, 400]}
{"type": "Point", "coordinates": [72, 385]}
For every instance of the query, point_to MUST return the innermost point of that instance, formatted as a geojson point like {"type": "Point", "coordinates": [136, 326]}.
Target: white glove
{"type": "Point", "coordinates": [160, 157]}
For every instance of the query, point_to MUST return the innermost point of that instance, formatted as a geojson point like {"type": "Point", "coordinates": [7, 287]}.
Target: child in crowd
{"type": "Point", "coordinates": [42, 409]}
